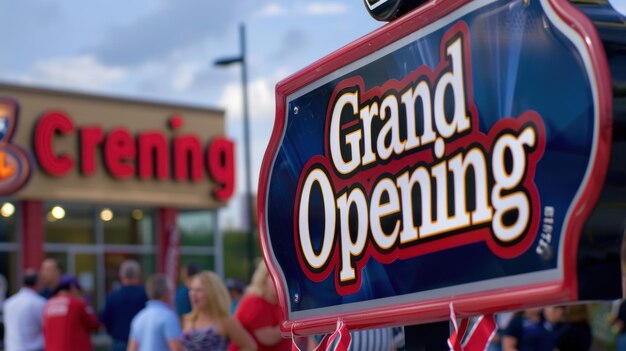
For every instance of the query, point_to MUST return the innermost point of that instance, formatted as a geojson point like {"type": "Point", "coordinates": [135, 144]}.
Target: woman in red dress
{"type": "Point", "coordinates": [259, 313]}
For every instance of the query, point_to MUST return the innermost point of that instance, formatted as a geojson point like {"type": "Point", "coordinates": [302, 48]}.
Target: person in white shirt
{"type": "Point", "coordinates": [23, 317]}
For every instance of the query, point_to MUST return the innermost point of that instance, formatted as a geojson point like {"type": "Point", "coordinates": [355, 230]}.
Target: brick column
{"type": "Point", "coordinates": [33, 236]}
{"type": "Point", "coordinates": [168, 243]}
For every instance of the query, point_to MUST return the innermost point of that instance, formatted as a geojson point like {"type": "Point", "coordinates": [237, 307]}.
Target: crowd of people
{"type": "Point", "coordinates": [56, 316]}
{"type": "Point", "coordinates": [50, 312]}
{"type": "Point", "coordinates": [552, 328]}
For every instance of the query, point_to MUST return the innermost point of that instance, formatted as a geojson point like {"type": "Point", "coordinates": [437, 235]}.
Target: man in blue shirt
{"type": "Point", "coordinates": [528, 332]}
{"type": "Point", "coordinates": [156, 327]}
{"type": "Point", "coordinates": [123, 304]}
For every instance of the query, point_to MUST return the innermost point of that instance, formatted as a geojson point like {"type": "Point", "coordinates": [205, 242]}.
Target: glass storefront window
{"type": "Point", "coordinates": [86, 272]}
{"type": "Point", "coordinates": [92, 241]}
{"type": "Point", "coordinates": [197, 238]}
{"type": "Point", "coordinates": [205, 262]}
{"type": "Point", "coordinates": [196, 228]}
{"type": "Point", "coordinates": [8, 274]}
{"type": "Point", "coordinates": [8, 248]}
{"type": "Point", "coordinates": [84, 266]}
{"type": "Point", "coordinates": [69, 223]}
{"type": "Point", "coordinates": [127, 226]}
{"type": "Point", "coordinates": [8, 215]}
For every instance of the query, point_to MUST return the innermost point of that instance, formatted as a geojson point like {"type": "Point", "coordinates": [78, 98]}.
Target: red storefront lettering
{"type": "Point", "coordinates": [52, 123]}
{"type": "Point", "coordinates": [147, 156]}
{"type": "Point", "coordinates": [188, 158]}
{"type": "Point", "coordinates": [154, 156]}
{"type": "Point", "coordinates": [119, 153]}
{"type": "Point", "coordinates": [90, 139]}
{"type": "Point", "coordinates": [220, 162]}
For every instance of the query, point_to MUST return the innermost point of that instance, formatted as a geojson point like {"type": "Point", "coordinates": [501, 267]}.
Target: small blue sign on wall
{"type": "Point", "coordinates": [450, 156]}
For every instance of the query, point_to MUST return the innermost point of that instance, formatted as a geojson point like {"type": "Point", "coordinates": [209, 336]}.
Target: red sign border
{"type": "Point", "coordinates": [466, 304]}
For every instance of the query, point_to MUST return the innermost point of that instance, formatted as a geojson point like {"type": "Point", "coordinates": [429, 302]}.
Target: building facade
{"type": "Point", "coordinates": [93, 180]}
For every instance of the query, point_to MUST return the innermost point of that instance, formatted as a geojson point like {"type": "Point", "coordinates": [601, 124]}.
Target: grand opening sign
{"type": "Point", "coordinates": [451, 156]}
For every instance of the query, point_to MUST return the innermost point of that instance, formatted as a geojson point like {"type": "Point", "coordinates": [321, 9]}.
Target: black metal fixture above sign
{"type": "Point", "coordinates": [388, 10]}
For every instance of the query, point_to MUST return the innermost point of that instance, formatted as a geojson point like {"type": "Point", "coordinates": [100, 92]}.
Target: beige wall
{"type": "Point", "coordinates": [135, 116]}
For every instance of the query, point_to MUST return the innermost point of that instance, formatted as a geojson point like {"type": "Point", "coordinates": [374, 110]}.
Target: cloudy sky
{"type": "Point", "coordinates": [164, 49]}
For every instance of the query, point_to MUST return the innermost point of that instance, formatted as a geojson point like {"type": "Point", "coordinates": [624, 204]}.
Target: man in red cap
{"type": "Point", "coordinates": [68, 320]}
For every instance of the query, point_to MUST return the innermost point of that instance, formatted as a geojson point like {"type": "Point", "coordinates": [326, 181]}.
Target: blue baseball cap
{"type": "Point", "coordinates": [66, 282]}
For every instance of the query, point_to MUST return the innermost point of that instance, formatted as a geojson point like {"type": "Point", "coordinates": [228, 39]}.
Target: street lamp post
{"type": "Point", "coordinates": [248, 198]}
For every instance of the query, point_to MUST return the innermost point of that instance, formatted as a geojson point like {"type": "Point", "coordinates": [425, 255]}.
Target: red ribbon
{"type": "Point", "coordinates": [339, 340]}
{"type": "Point", "coordinates": [477, 339]}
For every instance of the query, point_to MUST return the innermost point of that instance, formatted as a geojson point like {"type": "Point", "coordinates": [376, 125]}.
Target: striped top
{"type": "Point", "coordinates": [372, 340]}
{"type": "Point", "coordinates": [205, 339]}
{"type": "Point", "coordinates": [381, 339]}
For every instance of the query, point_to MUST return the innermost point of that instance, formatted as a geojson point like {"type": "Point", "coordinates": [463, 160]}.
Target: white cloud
{"type": "Point", "coordinates": [273, 10]}
{"type": "Point", "coordinates": [172, 26]}
{"type": "Point", "coordinates": [233, 215]}
{"type": "Point", "coordinates": [319, 8]}
{"type": "Point", "coordinates": [312, 9]}
{"type": "Point", "coordinates": [77, 72]}
{"type": "Point", "coordinates": [260, 100]}
{"type": "Point", "coordinates": [184, 75]}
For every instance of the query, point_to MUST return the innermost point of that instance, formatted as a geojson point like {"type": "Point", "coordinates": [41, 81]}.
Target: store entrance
{"type": "Point", "coordinates": [96, 267]}
{"type": "Point", "coordinates": [92, 241]}
{"type": "Point", "coordinates": [81, 261]}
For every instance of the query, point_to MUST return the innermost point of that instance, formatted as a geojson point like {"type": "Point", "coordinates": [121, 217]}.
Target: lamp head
{"type": "Point", "coordinates": [228, 61]}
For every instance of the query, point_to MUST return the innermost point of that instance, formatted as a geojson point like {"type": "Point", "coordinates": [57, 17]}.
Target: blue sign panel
{"type": "Point", "coordinates": [451, 156]}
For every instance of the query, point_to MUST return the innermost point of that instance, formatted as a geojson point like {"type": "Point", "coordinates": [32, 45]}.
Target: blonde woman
{"type": "Point", "coordinates": [260, 314]}
{"type": "Point", "coordinates": [209, 326]}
